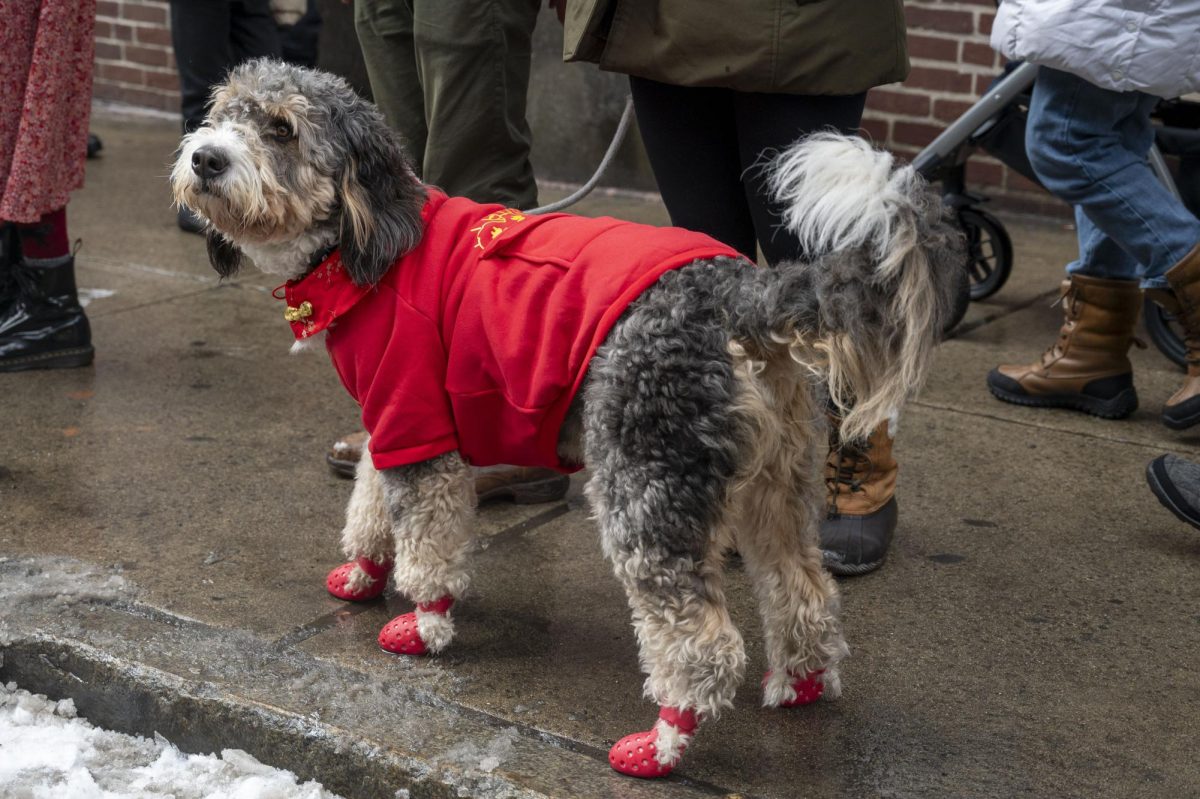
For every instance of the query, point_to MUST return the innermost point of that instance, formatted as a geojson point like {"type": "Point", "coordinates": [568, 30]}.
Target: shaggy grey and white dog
{"type": "Point", "coordinates": [703, 416]}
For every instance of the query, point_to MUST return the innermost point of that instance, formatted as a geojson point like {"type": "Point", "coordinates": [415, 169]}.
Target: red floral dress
{"type": "Point", "coordinates": [46, 49]}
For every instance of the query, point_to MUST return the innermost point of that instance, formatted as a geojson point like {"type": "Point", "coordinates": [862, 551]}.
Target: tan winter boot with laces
{"type": "Point", "coordinates": [1088, 368]}
{"type": "Point", "coordinates": [1182, 410]}
{"type": "Point", "coordinates": [861, 505]}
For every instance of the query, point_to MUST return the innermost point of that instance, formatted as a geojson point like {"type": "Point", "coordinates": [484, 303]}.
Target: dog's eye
{"type": "Point", "coordinates": [281, 131]}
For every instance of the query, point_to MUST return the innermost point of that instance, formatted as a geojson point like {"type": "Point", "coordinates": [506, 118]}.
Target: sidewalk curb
{"type": "Point", "coordinates": [68, 629]}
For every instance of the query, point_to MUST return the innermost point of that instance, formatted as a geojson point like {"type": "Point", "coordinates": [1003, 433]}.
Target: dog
{"type": "Point", "coordinates": [697, 392]}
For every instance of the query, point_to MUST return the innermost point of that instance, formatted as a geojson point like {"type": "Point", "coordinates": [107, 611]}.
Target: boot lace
{"type": "Point", "coordinates": [849, 466]}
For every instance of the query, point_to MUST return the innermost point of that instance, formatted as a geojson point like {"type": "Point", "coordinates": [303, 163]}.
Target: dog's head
{"type": "Point", "coordinates": [289, 156]}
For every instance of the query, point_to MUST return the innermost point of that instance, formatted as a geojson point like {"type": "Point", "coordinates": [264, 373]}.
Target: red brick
{"type": "Point", "coordinates": [937, 19]}
{"type": "Point", "coordinates": [875, 130]}
{"type": "Point", "coordinates": [976, 53]}
{"type": "Point", "coordinates": [914, 133]}
{"type": "Point", "coordinates": [943, 80]}
{"type": "Point", "coordinates": [985, 23]}
{"type": "Point", "coordinates": [983, 172]}
{"type": "Point", "coordinates": [140, 12]}
{"type": "Point", "coordinates": [150, 56]}
{"type": "Point", "coordinates": [893, 102]}
{"type": "Point", "coordinates": [108, 8]}
{"type": "Point", "coordinates": [982, 82]}
{"type": "Point", "coordinates": [147, 34]}
{"type": "Point", "coordinates": [168, 81]}
{"type": "Point", "coordinates": [949, 110]}
{"type": "Point", "coordinates": [932, 47]}
{"type": "Point", "coordinates": [120, 31]}
{"type": "Point", "coordinates": [110, 51]}
{"type": "Point", "coordinates": [121, 73]}
{"type": "Point", "coordinates": [103, 29]}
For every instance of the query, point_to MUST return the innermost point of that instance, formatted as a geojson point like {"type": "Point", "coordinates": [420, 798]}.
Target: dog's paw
{"type": "Point", "coordinates": [655, 752]}
{"type": "Point", "coordinates": [358, 580]}
{"type": "Point", "coordinates": [782, 689]}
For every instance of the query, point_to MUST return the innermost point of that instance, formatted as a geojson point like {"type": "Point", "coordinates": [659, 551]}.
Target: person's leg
{"type": "Point", "coordinates": [43, 326]}
{"type": "Point", "coordinates": [1089, 147]}
{"type": "Point", "coordinates": [473, 57]}
{"type": "Point", "coordinates": [768, 123]}
{"type": "Point", "coordinates": [385, 35]}
{"type": "Point", "coordinates": [200, 35]}
{"type": "Point", "coordinates": [691, 140]}
{"type": "Point", "coordinates": [299, 43]}
{"type": "Point", "coordinates": [252, 31]}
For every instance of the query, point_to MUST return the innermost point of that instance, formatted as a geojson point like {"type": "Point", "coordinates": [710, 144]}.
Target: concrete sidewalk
{"type": "Point", "coordinates": [166, 522]}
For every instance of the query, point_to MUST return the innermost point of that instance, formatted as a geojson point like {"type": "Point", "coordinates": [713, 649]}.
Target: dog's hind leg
{"type": "Point", "coordinates": [430, 507]}
{"type": "Point", "coordinates": [776, 504]}
{"type": "Point", "coordinates": [662, 448]}
{"type": "Point", "coordinates": [366, 539]}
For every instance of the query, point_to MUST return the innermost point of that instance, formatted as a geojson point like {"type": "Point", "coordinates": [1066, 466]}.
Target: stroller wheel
{"type": "Point", "coordinates": [989, 251]}
{"type": "Point", "coordinates": [1165, 332]}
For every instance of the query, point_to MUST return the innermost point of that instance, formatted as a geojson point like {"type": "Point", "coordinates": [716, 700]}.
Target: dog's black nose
{"type": "Point", "coordinates": [209, 162]}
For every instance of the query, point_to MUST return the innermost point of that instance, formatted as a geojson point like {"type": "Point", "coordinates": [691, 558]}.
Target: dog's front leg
{"type": "Point", "coordinates": [430, 506]}
{"type": "Point", "coordinates": [366, 539]}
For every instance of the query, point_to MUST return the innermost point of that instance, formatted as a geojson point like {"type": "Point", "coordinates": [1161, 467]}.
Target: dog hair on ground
{"type": "Point", "coordinates": [703, 417]}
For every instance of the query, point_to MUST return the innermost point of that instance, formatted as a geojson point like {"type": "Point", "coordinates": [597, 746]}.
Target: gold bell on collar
{"type": "Point", "coordinates": [296, 314]}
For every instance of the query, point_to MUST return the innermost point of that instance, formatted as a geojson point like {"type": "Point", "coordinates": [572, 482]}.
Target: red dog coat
{"type": "Point", "coordinates": [479, 338]}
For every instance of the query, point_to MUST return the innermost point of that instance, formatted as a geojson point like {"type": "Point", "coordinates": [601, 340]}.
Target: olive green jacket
{"type": "Point", "coordinates": [788, 46]}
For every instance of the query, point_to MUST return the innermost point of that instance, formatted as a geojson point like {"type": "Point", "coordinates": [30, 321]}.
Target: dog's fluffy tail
{"type": "Point", "coordinates": [875, 236]}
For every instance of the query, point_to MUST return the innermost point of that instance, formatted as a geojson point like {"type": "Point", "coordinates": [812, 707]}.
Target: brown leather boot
{"type": "Point", "coordinates": [1182, 410]}
{"type": "Point", "coordinates": [861, 505]}
{"type": "Point", "coordinates": [1088, 368]}
{"type": "Point", "coordinates": [520, 484]}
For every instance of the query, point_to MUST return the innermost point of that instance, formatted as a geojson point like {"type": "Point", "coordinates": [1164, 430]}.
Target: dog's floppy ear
{"type": "Point", "coordinates": [381, 197]}
{"type": "Point", "coordinates": [223, 254]}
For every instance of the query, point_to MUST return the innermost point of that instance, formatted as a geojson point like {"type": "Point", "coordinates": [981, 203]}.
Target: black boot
{"type": "Point", "coordinates": [43, 326]}
{"type": "Point", "coordinates": [10, 254]}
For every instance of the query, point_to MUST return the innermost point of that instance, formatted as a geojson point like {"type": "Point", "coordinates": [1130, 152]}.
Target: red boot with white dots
{"type": "Point", "coordinates": [425, 631]}
{"type": "Point", "coordinates": [359, 580]}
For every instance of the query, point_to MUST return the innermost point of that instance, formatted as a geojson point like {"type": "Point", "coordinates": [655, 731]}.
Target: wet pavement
{"type": "Point", "coordinates": [166, 522]}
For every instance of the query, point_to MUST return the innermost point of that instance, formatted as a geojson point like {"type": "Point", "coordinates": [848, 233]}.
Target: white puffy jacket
{"type": "Point", "coordinates": [1145, 45]}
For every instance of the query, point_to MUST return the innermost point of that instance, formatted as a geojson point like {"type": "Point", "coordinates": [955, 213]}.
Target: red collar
{"type": "Point", "coordinates": [316, 300]}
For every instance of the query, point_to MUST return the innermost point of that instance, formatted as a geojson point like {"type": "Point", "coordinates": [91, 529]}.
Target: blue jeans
{"type": "Point", "coordinates": [1089, 147]}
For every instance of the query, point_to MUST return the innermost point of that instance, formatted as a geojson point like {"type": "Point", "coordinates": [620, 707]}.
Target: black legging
{"type": "Point", "coordinates": [707, 145]}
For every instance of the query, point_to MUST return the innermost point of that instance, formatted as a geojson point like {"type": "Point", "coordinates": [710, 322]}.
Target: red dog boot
{"type": "Point", "coordinates": [359, 580]}
{"type": "Point", "coordinates": [424, 631]}
{"type": "Point", "coordinates": [806, 689]}
{"type": "Point", "coordinates": [655, 752]}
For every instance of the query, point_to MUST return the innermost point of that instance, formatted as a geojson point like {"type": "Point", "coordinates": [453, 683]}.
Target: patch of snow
{"type": "Point", "coordinates": [86, 296]}
{"type": "Point", "coordinates": [46, 752]}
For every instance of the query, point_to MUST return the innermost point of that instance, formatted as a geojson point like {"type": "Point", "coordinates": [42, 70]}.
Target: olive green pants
{"type": "Point", "coordinates": [451, 76]}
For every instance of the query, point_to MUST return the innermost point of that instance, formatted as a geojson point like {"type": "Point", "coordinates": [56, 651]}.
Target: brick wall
{"type": "Point", "coordinates": [952, 64]}
{"type": "Point", "coordinates": [134, 60]}
{"type": "Point", "coordinates": [948, 44]}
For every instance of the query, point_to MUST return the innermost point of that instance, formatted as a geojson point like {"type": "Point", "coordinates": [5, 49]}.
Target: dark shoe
{"type": "Point", "coordinates": [189, 221]}
{"type": "Point", "coordinates": [1182, 410]}
{"type": "Point", "coordinates": [94, 146]}
{"type": "Point", "coordinates": [346, 452]}
{"type": "Point", "coordinates": [520, 484]}
{"type": "Point", "coordinates": [1088, 368]}
{"type": "Point", "coordinates": [1176, 483]}
{"type": "Point", "coordinates": [861, 509]}
{"type": "Point", "coordinates": [44, 327]}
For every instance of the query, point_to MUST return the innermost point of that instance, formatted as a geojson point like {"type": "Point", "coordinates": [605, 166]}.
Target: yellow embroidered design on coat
{"type": "Point", "coordinates": [296, 314]}
{"type": "Point", "coordinates": [494, 224]}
